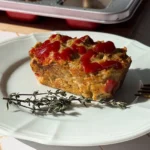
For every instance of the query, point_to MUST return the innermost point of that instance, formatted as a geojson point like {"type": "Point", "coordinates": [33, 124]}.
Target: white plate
{"type": "Point", "coordinates": [91, 126]}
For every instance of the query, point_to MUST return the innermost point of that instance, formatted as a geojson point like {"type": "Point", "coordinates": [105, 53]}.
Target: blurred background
{"type": "Point", "coordinates": [136, 28]}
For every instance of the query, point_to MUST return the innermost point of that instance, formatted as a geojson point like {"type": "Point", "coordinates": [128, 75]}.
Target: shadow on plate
{"type": "Point", "coordinates": [132, 84]}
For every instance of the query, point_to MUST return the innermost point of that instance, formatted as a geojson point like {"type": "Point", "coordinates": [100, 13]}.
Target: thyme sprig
{"type": "Point", "coordinates": [54, 102]}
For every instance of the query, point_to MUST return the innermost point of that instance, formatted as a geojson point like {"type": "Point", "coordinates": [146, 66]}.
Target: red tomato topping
{"type": "Point", "coordinates": [92, 67]}
{"type": "Point", "coordinates": [66, 54]}
{"type": "Point", "coordinates": [41, 53]}
{"type": "Point", "coordinates": [110, 85]}
{"type": "Point", "coordinates": [44, 50]}
{"type": "Point", "coordinates": [57, 56]}
{"type": "Point", "coordinates": [55, 46]}
{"type": "Point", "coordinates": [78, 41]}
{"type": "Point", "coordinates": [99, 47]}
{"type": "Point", "coordinates": [86, 62]}
{"type": "Point", "coordinates": [53, 36]}
{"type": "Point", "coordinates": [32, 51]}
{"type": "Point", "coordinates": [46, 43]}
{"type": "Point", "coordinates": [79, 49]}
{"type": "Point", "coordinates": [107, 47]}
{"type": "Point", "coordinates": [87, 56]}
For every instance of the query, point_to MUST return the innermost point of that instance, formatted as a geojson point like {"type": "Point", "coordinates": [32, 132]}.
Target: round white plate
{"type": "Point", "coordinates": [81, 126]}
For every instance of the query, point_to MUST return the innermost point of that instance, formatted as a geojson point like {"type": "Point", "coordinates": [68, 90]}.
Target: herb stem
{"type": "Point", "coordinates": [54, 102]}
{"type": "Point", "coordinates": [13, 99]}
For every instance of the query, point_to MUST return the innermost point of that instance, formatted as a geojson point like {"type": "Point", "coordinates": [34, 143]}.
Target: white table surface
{"type": "Point", "coordinates": [9, 143]}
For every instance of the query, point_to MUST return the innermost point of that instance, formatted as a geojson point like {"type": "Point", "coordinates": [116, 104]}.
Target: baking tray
{"type": "Point", "coordinates": [100, 11]}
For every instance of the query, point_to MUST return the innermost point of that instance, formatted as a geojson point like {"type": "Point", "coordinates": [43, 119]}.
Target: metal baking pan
{"type": "Point", "coordinates": [101, 11]}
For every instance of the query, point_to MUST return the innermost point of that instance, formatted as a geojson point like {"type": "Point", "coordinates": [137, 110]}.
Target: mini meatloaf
{"type": "Point", "coordinates": [80, 66]}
